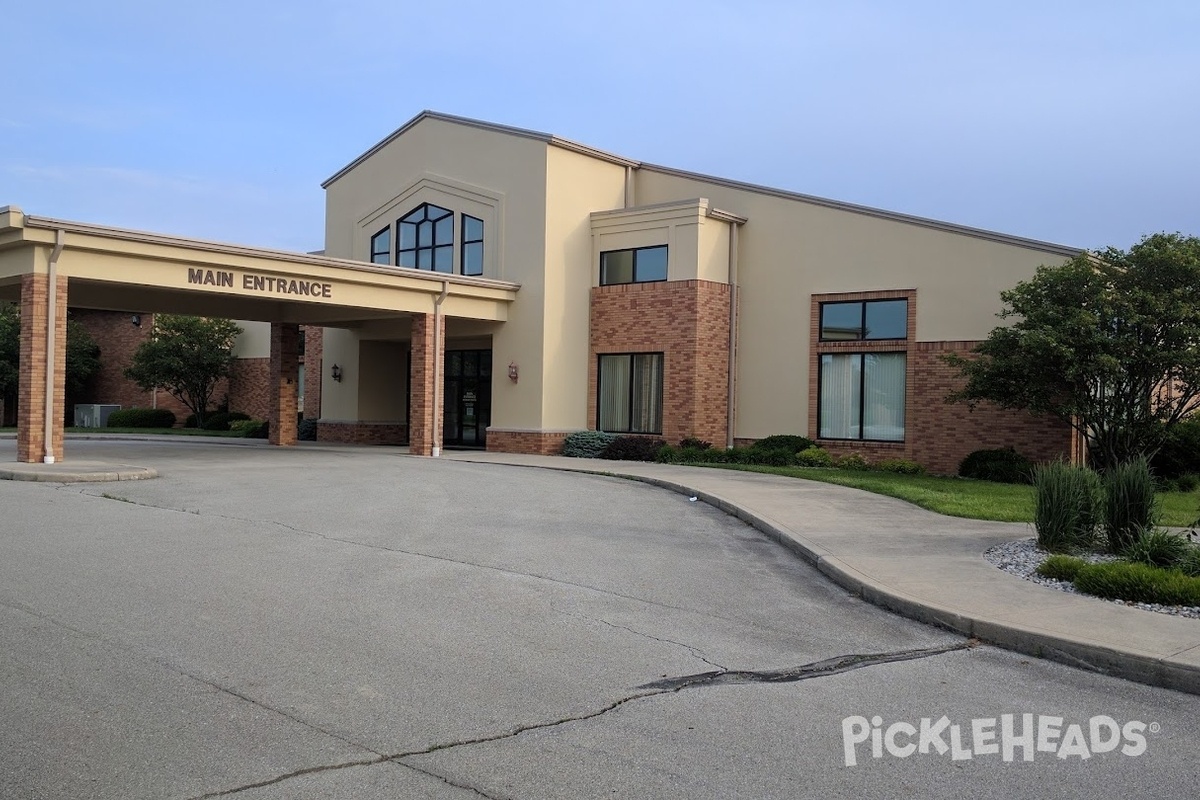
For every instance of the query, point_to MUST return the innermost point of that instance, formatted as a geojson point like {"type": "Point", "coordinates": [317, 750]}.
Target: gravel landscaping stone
{"type": "Point", "coordinates": [1022, 558]}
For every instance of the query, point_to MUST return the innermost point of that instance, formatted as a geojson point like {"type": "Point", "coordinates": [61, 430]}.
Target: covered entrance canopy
{"type": "Point", "coordinates": [46, 264]}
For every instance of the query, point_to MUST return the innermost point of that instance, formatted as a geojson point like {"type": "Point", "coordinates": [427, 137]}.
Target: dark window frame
{"type": "Point", "coordinates": [462, 248]}
{"type": "Point", "coordinates": [434, 246]}
{"type": "Point", "coordinates": [862, 319]}
{"type": "Point", "coordinates": [862, 393]}
{"type": "Point", "coordinates": [661, 390]}
{"type": "Point", "coordinates": [635, 251]}
{"type": "Point", "coordinates": [386, 252]}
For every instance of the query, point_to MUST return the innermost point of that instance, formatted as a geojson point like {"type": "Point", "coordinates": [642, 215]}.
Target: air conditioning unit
{"type": "Point", "coordinates": [94, 415]}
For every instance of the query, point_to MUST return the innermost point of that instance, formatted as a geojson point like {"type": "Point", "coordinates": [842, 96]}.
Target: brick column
{"type": "Point", "coordinates": [31, 386]}
{"type": "Point", "coordinates": [313, 364]}
{"type": "Point", "coordinates": [424, 424]}
{"type": "Point", "coordinates": [285, 374]}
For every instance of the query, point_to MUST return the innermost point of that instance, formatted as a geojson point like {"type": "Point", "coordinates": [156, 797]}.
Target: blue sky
{"type": "Point", "coordinates": [1073, 122]}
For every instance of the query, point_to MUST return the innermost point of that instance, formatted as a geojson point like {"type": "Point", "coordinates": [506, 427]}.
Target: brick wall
{"type": "Point", "coordinates": [425, 421]}
{"type": "Point", "coordinates": [687, 321]}
{"type": "Point", "coordinates": [250, 387]}
{"type": "Point", "coordinates": [285, 372]}
{"type": "Point", "coordinates": [936, 435]}
{"type": "Point", "coordinates": [313, 364]}
{"type": "Point", "coordinates": [394, 433]}
{"type": "Point", "coordinates": [31, 389]}
{"type": "Point", "coordinates": [118, 338]}
{"type": "Point", "coordinates": [541, 443]}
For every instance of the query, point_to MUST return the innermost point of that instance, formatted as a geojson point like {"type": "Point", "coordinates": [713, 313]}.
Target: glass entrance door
{"type": "Point", "coordinates": [468, 398]}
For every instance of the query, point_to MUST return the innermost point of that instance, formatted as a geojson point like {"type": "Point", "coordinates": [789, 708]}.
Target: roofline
{"type": "Point", "coordinates": [524, 133]}
{"type": "Point", "coordinates": [567, 144]}
{"type": "Point", "coordinates": [146, 237]}
{"type": "Point", "coordinates": [950, 227]}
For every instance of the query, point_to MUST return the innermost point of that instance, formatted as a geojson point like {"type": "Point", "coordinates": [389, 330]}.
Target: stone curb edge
{"type": "Point", "coordinates": [106, 476]}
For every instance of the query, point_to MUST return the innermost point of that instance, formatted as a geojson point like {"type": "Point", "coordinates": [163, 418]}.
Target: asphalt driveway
{"type": "Point", "coordinates": [338, 622]}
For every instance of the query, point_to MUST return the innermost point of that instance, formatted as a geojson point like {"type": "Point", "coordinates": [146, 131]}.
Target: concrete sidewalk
{"type": "Point", "coordinates": [925, 566]}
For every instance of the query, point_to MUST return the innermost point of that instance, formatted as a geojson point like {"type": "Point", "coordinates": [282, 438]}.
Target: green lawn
{"type": "Point", "coordinates": [958, 497]}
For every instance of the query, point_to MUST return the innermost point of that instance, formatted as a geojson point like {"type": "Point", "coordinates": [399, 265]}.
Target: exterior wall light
{"type": "Point", "coordinates": [336, 372]}
{"type": "Point", "coordinates": [136, 319]}
{"type": "Point", "coordinates": [514, 372]}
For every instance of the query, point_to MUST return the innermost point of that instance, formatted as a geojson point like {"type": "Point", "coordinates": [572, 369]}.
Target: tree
{"type": "Point", "coordinates": [83, 355]}
{"type": "Point", "coordinates": [187, 356]}
{"type": "Point", "coordinates": [1108, 342]}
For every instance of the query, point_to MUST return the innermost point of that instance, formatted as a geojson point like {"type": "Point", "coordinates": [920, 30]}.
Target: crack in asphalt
{"type": "Point", "coordinates": [817, 669]}
{"type": "Point", "coordinates": [695, 651]}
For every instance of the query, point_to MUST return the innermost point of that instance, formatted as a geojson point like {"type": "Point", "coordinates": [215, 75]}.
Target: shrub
{"type": "Point", "coordinates": [1066, 507]}
{"type": "Point", "coordinates": [220, 420]}
{"type": "Point", "coordinates": [1002, 466]}
{"type": "Point", "coordinates": [789, 442]}
{"type": "Point", "coordinates": [702, 456]}
{"type": "Point", "coordinates": [777, 457]}
{"type": "Point", "coordinates": [632, 448]}
{"type": "Point", "coordinates": [306, 430]}
{"type": "Point", "coordinates": [141, 418]}
{"type": "Point", "coordinates": [1187, 482]}
{"type": "Point", "coordinates": [1139, 583]}
{"type": "Point", "coordinates": [1190, 563]}
{"type": "Point", "coordinates": [901, 466]}
{"type": "Point", "coordinates": [1061, 568]}
{"type": "Point", "coordinates": [1157, 548]}
{"type": "Point", "coordinates": [1129, 505]}
{"type": "Point", "coordinates": [1179, 453]}
{"type": "Point", "coordinates": [814, 457]}
{"type": "Point", "coordinates": [586, 444]}
{"type": "Point", "coordinates": [692, 443]}
{"type": "Point", "coordinates": [852, 461]}
{"type": "Point", "coordinates": [248, 428]}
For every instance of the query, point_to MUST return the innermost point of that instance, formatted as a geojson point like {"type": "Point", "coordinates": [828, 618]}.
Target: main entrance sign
{"type": "Point", "coordinates": [266, 284]}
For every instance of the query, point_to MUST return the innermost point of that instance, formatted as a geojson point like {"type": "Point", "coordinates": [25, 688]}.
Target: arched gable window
{"type": "Point", "coordinates": [426, 239]}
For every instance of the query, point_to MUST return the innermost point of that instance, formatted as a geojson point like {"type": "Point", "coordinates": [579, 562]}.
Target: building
{"type": "Point", "coordinates": [486, 286]}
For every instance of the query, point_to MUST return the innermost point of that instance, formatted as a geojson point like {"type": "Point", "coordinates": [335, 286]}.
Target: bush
{"type": "Point", "coordinates": [248, 428]}
{"type": "Point", "coordinates": [632, 448]}
{"type": "Point", "coordinates": [221, 420]}
{"type": "Point", "coordinates": [306, 430]}
{"type": "Point", "coordinates": [901, 466]}
{"type": "Point", "coordinates": [1139, 583]}
{"type": "Point", "coordinates": [586, 444]}
{"type": "Point", "coordinates": [692, 443]}
{"type": "Point", "coordinates": [852, 461]}
{"type": "Point", "coordinates": [788, 442]}
{"type": "Point", "coordinates": [1157, 548]}
{"type": "Point", "coordinates": [1129, 505]}
{"type": "Point", "coordinates": [141, 418]}
{"type": "Point", "coordinates": [1190, 563]}
{"type": "Point", "coordinates": [1179, 453]}
{"type": "Point", "coordinates": [1002, 466]}
{"type": "Point", "coordinates": [1066, 507]}
{"type": "Point", "coordinates": [814, 457]}
{"type": "Point", "coordinates": [1061, 568]}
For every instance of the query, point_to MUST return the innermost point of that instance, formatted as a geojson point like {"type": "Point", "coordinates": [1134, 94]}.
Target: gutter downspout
{"type": "Point", "coordinates": [629, 198]}
{"type": "Point", "coordinates": [733, 320]}
{"type": "Point", "coordinates": [60, 237]}
{"type": "Point", "coordinates": [438, 358]}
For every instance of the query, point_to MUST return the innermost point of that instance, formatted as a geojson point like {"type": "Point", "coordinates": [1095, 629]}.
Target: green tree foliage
{"type": "Point", "coordinates": [83, 355]}
{"type": "Point", "coordinates": [187, 356]}
{"type": "Point", "coordinates": [1108, 342]}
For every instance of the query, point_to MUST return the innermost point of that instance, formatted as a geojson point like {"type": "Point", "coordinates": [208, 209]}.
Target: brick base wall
{"type": "Point", "coordinates": [250, 387]}
{"type": "Point", "coordinates": [688, 321]}
{"type": "Point", "coordinates": [314, 342]}
{"type": "Point", "coordinates": [538, 443]}
{"type": "Point", "coordinates": [392, 433]}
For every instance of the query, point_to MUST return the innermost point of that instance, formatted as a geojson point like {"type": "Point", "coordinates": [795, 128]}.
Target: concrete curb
{"type": "Point", "coordinates": [46, 473]}
{"type": "Point", "coordinates": [1080, 653]}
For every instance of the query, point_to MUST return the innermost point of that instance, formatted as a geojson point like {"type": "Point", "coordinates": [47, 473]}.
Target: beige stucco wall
{"type": "Point", "coordinates": [254, 341]}
{"type": "Point", "coordinates": [789, 250]}
{"type": "Point", "coordinates": [382, 381]}
{"type": "Point", "coordinates": [576, 185]}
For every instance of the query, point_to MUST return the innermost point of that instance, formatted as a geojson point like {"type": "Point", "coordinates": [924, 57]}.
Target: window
{"type": "Point", "coordinates": [381, 247]}
{"type": "Point", "coordinates": [426, 239]}
{"type": "Point", "coordinates": [861, 396]}
{"type": "Point", "coordinates": [643, 265]}
{"type": "Point", "coordinates": [472, 245]}
{"type": "Point", "coordinates": [629, 393]}
{"type": "Point", "coordinates": [864, 320]}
